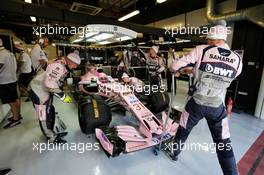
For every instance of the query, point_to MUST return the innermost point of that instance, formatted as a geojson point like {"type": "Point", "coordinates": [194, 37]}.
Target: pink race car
{"type": "Point", "coordinates": [124, 139]}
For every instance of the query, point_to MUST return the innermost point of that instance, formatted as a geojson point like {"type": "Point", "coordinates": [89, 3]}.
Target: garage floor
{"type": "Point", "coordinates": [17, 149]}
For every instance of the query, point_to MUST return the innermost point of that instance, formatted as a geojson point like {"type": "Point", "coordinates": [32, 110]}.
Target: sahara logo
{"type": "Point", "coordinates": [222, 58]}
{"type": "Point", "coordinates": [218, 71]}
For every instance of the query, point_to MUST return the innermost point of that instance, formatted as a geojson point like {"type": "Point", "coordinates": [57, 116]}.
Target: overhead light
{"type": "Point", "coordinates": [104, 42]}
{"type": "Point", "coordinates": [141, 43]}
{"type": "Point", "coordinates": [87, 35]}
{"type": "Point", "coordinates": [123, 38]}
{"type": "Point", "coordinates": [33, 18]}
{"type": "Point", "coordinates": [161, 1]}
{"type": "Point", "coordinates": [77, 40]}
{"type": "Point", "coordinates": [183, 41]}
{"type": "Point", "coordinates": [28, 1]}
{"type": "Point", "coordinates": [90, 40]}
{"type": "Point", "coordinates": [53, 44]}
{"type": "Point", "coordinates": [103, 36]}
{"type": "Point", "coordinates": [134, 13]}
{"type": "Point", "coordinates": [102, 32]}
{"type": "Point", "coordinates": [167, 42]}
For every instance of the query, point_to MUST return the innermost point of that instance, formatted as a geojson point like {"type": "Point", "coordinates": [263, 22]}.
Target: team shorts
{"type": "Point", "coordinates": [8, 92]}
{"type": "Point", "coordinates": [24, 79]}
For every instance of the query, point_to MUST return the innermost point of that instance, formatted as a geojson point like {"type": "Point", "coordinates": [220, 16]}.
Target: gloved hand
{"type": "Point", "coordinates": [67, 99]}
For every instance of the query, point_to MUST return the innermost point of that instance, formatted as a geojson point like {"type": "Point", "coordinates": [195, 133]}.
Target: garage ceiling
{"type": "Point", "coordinates": [150, 11]}
{"type": "Point", "coordinates": [94, 11]}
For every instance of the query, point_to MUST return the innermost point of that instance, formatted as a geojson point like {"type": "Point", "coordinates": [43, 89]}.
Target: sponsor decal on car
{"type": "Point", "coordinates": [132, 99]}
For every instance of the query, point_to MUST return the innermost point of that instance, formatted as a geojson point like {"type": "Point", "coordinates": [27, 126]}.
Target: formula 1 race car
{"type": "Point", "coordinates": [124, 139]}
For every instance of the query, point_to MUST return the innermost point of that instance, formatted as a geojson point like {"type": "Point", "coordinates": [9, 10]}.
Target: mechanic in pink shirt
{"type": "Point", "coordinates": [91, 77]}
{"type": "Point", "coordinates": [134, 82]}
{"type": "Point", "coordinates": [46, 84]}
{"type": "Point", "coordinates": [215, 67]}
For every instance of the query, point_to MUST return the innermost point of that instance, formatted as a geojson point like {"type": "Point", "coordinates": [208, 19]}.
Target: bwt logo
{"type": "Point", "coordinates": [218, 71]}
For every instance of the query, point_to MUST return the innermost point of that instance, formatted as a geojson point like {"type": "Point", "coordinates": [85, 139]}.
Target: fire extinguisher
{"type": "Point", "coordinates": [229, 106]}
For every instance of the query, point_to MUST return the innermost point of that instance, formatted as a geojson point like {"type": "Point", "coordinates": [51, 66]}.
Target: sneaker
{"type": "Point", "coordinates": [11, 118]}
{"type": "Point", "coordinates": [171, 155]}
{"type": "Point", "coordinates": [62, 134]}
{"type": "Point", "coordinates": [174, 157]}
{"type": "Point", "coordinates": [59, 140]}
{"type": "Point", "coordinates": [168, 152]}
{"type": "Point", "coordinates": [12, 124]}
{"type": "Point", "coordinates": [5, 171]}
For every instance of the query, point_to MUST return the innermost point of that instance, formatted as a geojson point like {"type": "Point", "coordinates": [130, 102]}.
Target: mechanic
{"type": "Point", "coordinates": [134, 82]}
{"type": "Point", "coordinates": [8, 85]}
{"type": "Point", "coordinates": [171, 57]}
{"type": "Point", "coordinates": [90, 78]}
{"type": "Point", "coordinates": [44, 86]}
{"type": "Point", "coordinates": [216, 66]}
{"type": "Point", "coordinates": [155, 65]}
{"type": "Point", "coordinates": [38, 56]}
{"type": "Point", "coordinates": [25, 70]}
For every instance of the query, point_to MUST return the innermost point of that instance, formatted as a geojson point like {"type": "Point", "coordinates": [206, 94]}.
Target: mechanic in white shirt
{"type": "Point", "coordinates": [171, 57]}
{"type": "Point", "coordinates": [38, 56]}
{"type": "Point", "coordinates": [24, 68]}
{"type": "Point", "coordinates": [8, 85]}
